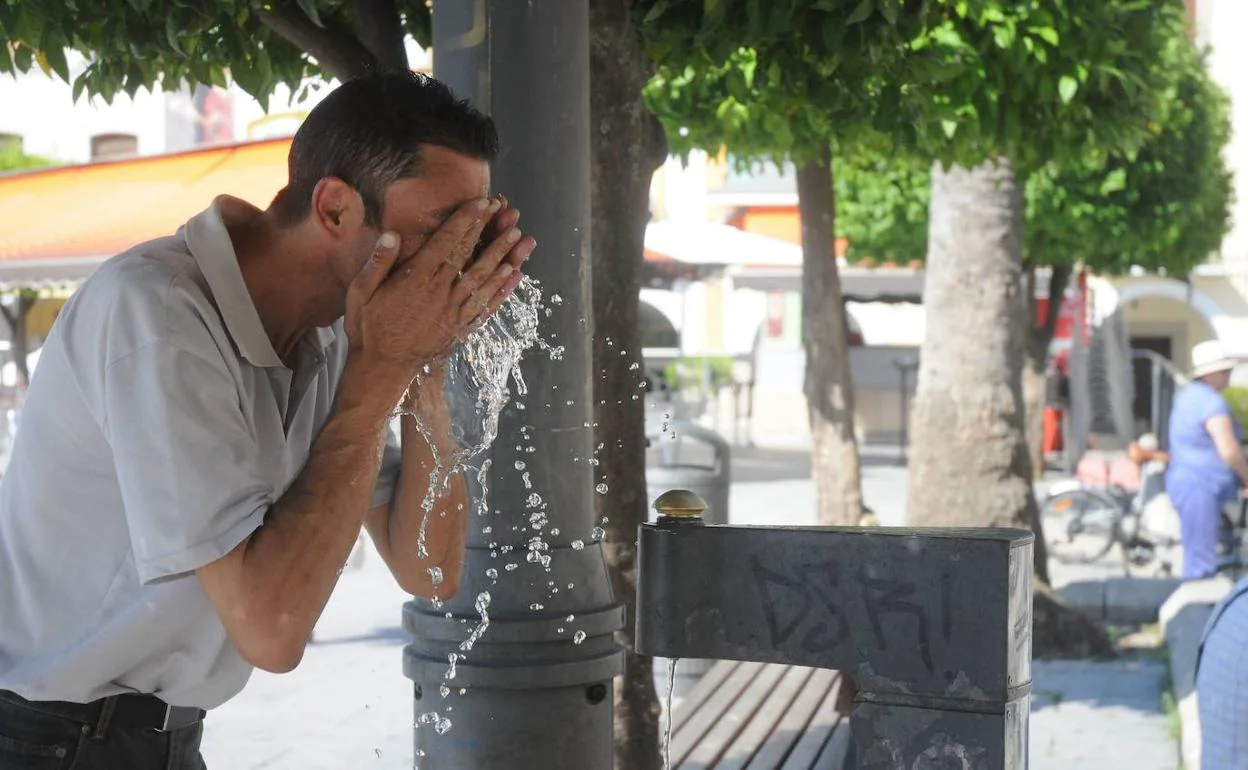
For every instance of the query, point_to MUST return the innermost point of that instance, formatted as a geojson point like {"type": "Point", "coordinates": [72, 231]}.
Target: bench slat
{"type": "Point", "coordinates": [794, 722]}
{"type": "Point", "coordinates": [741, 710]}
{"type": "Point", "coordinates": [700, 692]}
{"type": "Point", "coordinates": [836, 750]}
{"type": "Point", "coordinates": [705, 713]}
{"type": "Point", "coordinates": [775, 707]}
{"type": "Point", "coordinates": [817, 733]}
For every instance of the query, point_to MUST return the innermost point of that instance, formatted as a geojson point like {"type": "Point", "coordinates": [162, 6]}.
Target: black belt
{"type": "Point", "coordinates": [148, 711]}
{"type": "Point", "coordinates": [129, 711]}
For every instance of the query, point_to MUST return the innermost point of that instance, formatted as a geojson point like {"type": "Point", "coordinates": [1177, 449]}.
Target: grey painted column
{"type": "Point", "coordinates": [536, 689]}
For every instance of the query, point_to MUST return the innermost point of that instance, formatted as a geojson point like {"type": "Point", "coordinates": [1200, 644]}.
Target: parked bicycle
{"type": "Point", "coordinates": [1082, 524]}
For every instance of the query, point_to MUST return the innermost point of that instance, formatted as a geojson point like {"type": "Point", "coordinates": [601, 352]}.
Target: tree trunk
{"type": "Point", "coordinates": [970, 465]}
{"type": "Point", "coordinates": [829, 385]}
{"type": "Point", "coordinates": [628, 144]}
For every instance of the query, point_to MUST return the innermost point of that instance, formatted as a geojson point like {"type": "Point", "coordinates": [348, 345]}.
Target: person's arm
{"type": "Point", "coordinates": [399, 523]}
{"type": "Point", "coordinates": [270, 590]}
{"type": "Point", "coordinates": [1222, 431]}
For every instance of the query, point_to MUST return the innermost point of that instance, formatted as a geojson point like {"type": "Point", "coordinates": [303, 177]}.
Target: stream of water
{"type": "Point", "coordinates": [667, 711]}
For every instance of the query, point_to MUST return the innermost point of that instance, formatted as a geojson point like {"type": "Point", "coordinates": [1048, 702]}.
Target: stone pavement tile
{"type": "Point", "coordinates": [1100, 716]}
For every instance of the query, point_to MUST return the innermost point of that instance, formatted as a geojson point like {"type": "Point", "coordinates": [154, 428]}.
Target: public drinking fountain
{"type": "Point", "coordinates": [932, 625]}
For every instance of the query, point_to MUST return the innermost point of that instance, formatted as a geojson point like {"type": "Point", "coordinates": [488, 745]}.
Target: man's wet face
{"type": "Point", "coordinates": [416, 207]}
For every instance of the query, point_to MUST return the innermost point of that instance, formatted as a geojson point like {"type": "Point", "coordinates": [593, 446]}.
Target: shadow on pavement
{"type": "Point", "coordinates": [385, 635]}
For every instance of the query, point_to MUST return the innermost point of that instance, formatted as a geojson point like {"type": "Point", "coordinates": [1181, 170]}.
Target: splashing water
{"type": "Point", "coordinates": [478, 373]}
{"type": "Point", "coordinates": [441, 725]}
{"type": "Point", "coordinates": [482, 605]}
{"type": "Point", "coordinates": [667, 711]}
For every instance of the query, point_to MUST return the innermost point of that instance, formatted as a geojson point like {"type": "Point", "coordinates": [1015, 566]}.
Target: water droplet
{"type": "Point", "coordinates": [491, 573]}
{"type": "Point", "coordinates": [578, 545]}
{"type": "Point", "coordinates": [520, 465]}
{"type": "Point", "coordinates": [444, 690]}
{"type": "Point", "coordinates": [554, 531]}
{"type": "Point", "coordinates": [601, 489]}
{"type": "Point", "coordinates": [463, 691]}
{"type": "Point", "coordinates": [559, 630]}
{"type": "Point", "coordinates": [511, 567]}
{"type": "Point", "coordinates": [442, 726]}
{"type": "Point", "coordinates": [578, 637]}
{"type": "Point", "coordinates": [435, 575]}
{"type": "Point", "coordinates": [571, 617]}
{"type": "Point", "coordinates": [555, 299]}
{"type": "Point", "coordinates": [597, 533]}
{"type": "Point", "coordinates": [634, 366]}
{"type": "Point", "coordinates": [377, 752]}
{"type": "Point", "coordinates": [535, 606]}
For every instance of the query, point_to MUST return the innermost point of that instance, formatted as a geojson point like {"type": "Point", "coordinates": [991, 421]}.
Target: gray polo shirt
{"type": "Point", "coordinates": [159, 429]}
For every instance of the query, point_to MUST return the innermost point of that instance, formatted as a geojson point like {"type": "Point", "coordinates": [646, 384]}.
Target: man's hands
{"type": "Point", "coordinates": [406, 311]}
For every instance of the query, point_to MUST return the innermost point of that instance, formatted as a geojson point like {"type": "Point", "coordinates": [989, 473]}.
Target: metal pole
{"type": "Point", "coordinates": [537, 685]}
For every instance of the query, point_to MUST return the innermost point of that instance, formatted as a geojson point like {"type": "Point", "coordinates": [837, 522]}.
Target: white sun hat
{"type": "Point", "coordinates": [1212, 356]}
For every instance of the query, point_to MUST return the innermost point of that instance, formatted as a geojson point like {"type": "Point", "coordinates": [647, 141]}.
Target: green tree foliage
{"type": "Point", "coordinates": [779, 79]}
{"type": "Point", "coordinates": [1037, 81]}
{"type": "Point", "coordinates": [1164, 207]}
{"type": "Point", "coordinates": [13, 159]}
{"type": "Point", "coordinates": [135, 44]}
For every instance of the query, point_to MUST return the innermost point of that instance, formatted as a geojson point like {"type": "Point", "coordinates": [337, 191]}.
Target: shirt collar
{"type": "Point", "coordinates": [209, 242]}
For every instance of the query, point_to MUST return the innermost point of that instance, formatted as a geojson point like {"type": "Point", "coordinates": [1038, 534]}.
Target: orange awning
{"type": "Point", "coordinates": [60, 223]}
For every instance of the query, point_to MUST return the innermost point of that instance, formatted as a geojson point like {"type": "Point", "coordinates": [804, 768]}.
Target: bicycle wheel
{"type": "Point", "coordinates": [1081, 525]}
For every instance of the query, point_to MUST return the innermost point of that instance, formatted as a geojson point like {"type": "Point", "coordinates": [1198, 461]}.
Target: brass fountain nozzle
{"type": "Point", "coordinates": [680, 504]}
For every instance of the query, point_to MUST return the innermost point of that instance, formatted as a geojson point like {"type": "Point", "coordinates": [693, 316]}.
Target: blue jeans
{"type": "Point", "coordinates": [47, 735]}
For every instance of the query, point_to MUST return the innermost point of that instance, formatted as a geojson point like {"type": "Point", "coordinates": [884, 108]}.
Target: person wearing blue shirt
{"type": "Point", "coordinates": [1207, 462]}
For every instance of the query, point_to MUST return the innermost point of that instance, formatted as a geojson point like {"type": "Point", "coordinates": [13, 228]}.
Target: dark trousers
{"type": "Point", "coordinates": [47, 735]}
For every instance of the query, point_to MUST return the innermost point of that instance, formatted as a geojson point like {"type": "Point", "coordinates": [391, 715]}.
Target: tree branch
{"type": "Point", "coordinates": [334, 48]}
{"type": "Point", "coordinates": [379, 28]}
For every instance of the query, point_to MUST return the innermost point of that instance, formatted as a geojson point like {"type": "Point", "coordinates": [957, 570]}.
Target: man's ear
{"type": "Point", "coordinates": [337, 208]}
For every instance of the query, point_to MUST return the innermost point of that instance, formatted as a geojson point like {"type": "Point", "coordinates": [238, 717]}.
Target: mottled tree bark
{"type": "Point", "coordinates": [829, 384]}
{"type": "Point", "coordinates": [628, 144]}
{"type": "Point", "coordinates": [969, 465]}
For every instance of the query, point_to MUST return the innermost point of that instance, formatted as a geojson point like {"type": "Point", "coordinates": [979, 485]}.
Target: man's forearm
{"type": "Point", "coordinates": [276, 585]}
{"type": "Point", "coordinates": [425, 564]}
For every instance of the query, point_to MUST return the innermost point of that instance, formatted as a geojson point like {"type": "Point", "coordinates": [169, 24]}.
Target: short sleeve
{"type": "Point", "coordinates": [1213, 405]}
{"type": "Point", "coordinates": [185, 459]}
{"type": "Point", "coordinates": [388, 478]}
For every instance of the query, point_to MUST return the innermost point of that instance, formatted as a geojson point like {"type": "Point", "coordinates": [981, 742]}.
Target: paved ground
{"type": "Point", "coordinates": [1100, 716]}
{"type": "Point", "coordinates": [348, 705]}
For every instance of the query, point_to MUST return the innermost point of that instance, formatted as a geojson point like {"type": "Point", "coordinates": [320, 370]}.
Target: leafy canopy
{"type": "Point", "coordinates": [959, 80]}
{"type": "Point", "coordinates": [135, 44]}
{"type": "Point", "coordinates": [1165, 207]}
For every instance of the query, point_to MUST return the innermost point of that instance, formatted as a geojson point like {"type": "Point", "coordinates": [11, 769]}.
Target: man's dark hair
{"type": "Point", "coordinates": [368, 132]}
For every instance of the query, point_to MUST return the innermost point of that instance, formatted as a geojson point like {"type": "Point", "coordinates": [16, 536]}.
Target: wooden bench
{"type": "Point", "coordinates": [760, 716]}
